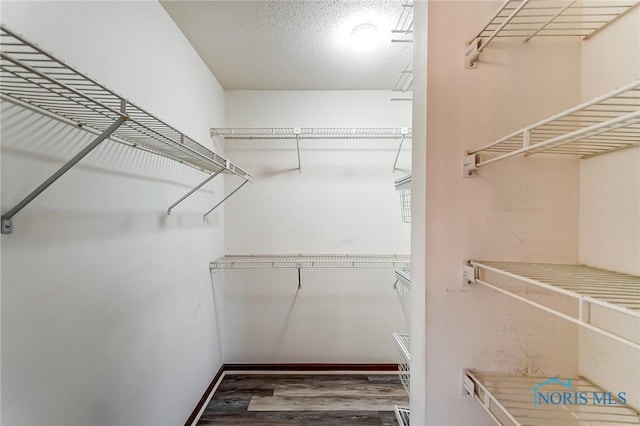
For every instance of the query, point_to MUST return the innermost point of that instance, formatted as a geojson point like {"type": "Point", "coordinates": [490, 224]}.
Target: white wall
{"type": "Point", "coordinates": [610, 209]}
{"type": "Point", "coordinates": [418, 217]}
{"type": "Point", "coordinates": [107, 307]}
{"type": "Point", "coordinates": [522, 209]}
{"type": "Point", "coordinates": [344, 201]}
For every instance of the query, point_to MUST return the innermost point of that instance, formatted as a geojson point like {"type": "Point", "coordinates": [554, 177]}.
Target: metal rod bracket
{"type": "Point", "coordinates": [472, 54]}
{"type": "Point", "coordinates": [469, 273]}
{"type": "Point", "coordinates": [469, 165]}
{"type": "Point", "coordinates": [7, 225]}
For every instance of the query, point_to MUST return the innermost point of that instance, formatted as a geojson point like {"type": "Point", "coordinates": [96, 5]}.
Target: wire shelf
{"type": "Point", "coordinates": [509, 400]}
{"type": "Point", "coordinates": [404, 84]}
{"type": "Point", "coordinates": [589, 286]}
{"type": "Point", "coordinates": [403, 186]}
{"type": "Point", "coordinates": [403, 288]}
{"type": "Point", "coordinates": [36, 79]}
{"type": "Point", "coordinates": [404, 26]}
{"type": "Point", "coordinates": [402, 341]}
{"type": "Point", "coordinates": [402, 415]}
{"type": "Point", "coordinates": [604, 124]}
{"type": "Point", "coordinates": [527, 19]}
{"type": "Point", "coordinates": [299, 261]}
{"type": "Point", "coordinates": [303, 133]}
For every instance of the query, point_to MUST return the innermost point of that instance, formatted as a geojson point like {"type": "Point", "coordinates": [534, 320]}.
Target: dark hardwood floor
{"type": "Point", "coordinates": [305, 399]}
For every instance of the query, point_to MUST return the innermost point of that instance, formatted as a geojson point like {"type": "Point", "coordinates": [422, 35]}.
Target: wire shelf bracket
{"type": "Point", "coordinates": [513, 400]}
{"type": "Point", "coordinates": [298, 134]}
{"type": "Point", "coordinates": [527, 19]}
{"type": "Point", "coordinates": [402, 286]}
{"type": "Point", "coordinates": [37, 80]}
{"type": "Point", "coordinates": [589, 287]}
{"type": "Point", "coordinates": [607, 123]}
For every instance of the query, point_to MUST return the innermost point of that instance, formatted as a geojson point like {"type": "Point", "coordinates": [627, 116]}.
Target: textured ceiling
{"type": "Point", "coordinates": [285, 45]}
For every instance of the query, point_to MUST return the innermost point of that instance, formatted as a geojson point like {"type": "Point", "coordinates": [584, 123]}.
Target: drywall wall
{"type": "Point", "coordinates": [343, 201]}
{"type": "Point", "coordinates": [610, 209]}
{"type": "Point", "coordinates": [107, 306]}
{"type": "Point", "coordinates": [523, 209]}
{"type": "Point", "coordinates": [418, 217]}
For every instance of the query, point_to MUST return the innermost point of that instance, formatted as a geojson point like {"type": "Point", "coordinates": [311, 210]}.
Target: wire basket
{"type": "Point", "coordinates": [403, 186]}
{"type": "Point", "coordinates": [405, 358]}
{"type": "Point", "coordinates": [403, 288]}
{"type": "Point", "coordinates": [402, 415]}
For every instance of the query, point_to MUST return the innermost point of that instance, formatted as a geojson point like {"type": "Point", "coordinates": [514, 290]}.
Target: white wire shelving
{"type": "Point", "coordinates": [404, 361]}
{"type": "Point", "coordinates": [605, 124]}
{"type": "Point", "coordinates": [514, 401]}
{"type": "Point", "coordinates": [297, 134]}
{"type": "Point", "coordinates": [402, 415]}
{"type": "Point", "coordinates": [403, 30]}
{"type": "Point", "coordinates": [37, 80]}
{"type": "Point", "coordinates": [301, 261]}
{"type": "Point", "coordinates": [528, 19]}
{"type": "Point", "coordinates": [403, 186]}
{"type": "Point", "coordinates": [403, 288]}
{"type": "Point", "coordinates": [404, 84]}
{"type": "Point", "coordinates": [588, 286]}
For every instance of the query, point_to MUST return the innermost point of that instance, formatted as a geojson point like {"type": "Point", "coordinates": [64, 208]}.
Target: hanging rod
{"type": "Point", "coordinates": [34, 78]}
{"type": "Point", "coordinates": [268, 261]}
{"type": "Point", "coordinates": [527, 19]}
{"type": "Point", "coordinates": [315, 133]}
{"type": "Point", "coordinates": [510, 400]}
{"type": "Point", "coordinates": [605, 124]}
{"type": "Point", "coordinates": [588, 286]}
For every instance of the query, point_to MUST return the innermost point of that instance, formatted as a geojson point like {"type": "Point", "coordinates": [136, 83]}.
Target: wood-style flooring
{"type": "Point", "coordinates": [305, 399]}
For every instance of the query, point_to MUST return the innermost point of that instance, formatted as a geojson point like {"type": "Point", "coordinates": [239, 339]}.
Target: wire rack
{"type": "Point", "coordinates": [299, 261]}
{"type": "Point", "coordinates": [36, 79]}
{"type": "Point", "coordinates": [404, 26]}
{"type": "Point", "coordinates": [527, 19]}
{"type": "Point", "coordinates": [403, 186]}
{"type": "Point", "coordinates": [509, 400]}
{"type": "Point", "coordinates": [604, 124]}
{"type": "Point", "coordinates": [302, 133]}
{"type": "Point", "coordinates": [404, 84]}
{"type": "Point", "coordinates": [403, 288]}
{"type": "Point", "coordinates": [402, 415]}
{"type": "Point", "coordinates": [588, 286]}
{"type": "Point", "coordinates": [404, 362]}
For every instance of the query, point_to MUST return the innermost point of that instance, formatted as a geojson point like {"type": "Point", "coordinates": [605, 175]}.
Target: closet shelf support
{"type": "Point", "coordinates": [225, 199]}
{"type": "Point", "coordinates": [200, 185]}
{"type": "Point", "coordinates": [7, 223]}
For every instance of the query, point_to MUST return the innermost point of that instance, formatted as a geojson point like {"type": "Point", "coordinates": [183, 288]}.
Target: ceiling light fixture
{"type": "Point", "coordinates": [364, 38]}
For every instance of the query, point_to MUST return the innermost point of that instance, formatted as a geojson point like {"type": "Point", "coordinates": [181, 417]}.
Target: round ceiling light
{"type": "Point", "coordinates": [364, 38]}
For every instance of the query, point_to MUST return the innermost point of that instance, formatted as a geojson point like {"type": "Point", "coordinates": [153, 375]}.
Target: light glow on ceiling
{"type": "Point", "coordinates": [364, 38]}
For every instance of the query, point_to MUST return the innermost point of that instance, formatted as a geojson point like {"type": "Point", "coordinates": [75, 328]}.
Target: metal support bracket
{"type": "Point", "coordinates": [297, 131]}
{"type": "Point", "coordinates": [225, 199]}
{"type": "Point", "coordinates": [469, 165]}
{"type": "Point", "coordinates": [404, 132]}
{"type": "Point", "coordinates": [299, 278]}
{"type": "Point", "coordinates": [7, 223]}
{"type": "Point", "coordinates": [469, 273]}
{"type": "Point", "coordinates": [472, 53]}
{"type": "Point", "coordinates": [200, 185]}
{"type": "Point", "coordinates": [468, 386]}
